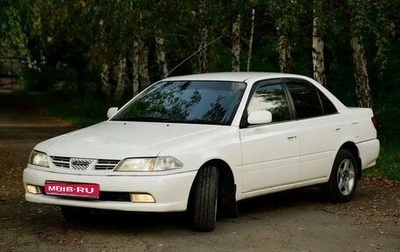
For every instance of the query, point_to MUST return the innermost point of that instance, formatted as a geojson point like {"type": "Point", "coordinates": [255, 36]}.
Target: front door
{"type": "Point", "coordinates": [270, 152]}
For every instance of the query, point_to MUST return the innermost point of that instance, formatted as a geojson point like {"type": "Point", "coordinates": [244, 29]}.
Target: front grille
{"type": "Point", "coordinates": [82, 164]}
{"type": "Point", "coordinates": [106, 164]}
{"type": "Point", "coordinates": [61, 161]}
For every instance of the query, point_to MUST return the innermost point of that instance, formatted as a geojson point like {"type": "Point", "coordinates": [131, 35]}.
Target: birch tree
{"type": "Point", "coordinates": [135, 67]}
{"type": "Point", "coordinates": [363, 90]}
{"type": "Point", "coordinates": [121, 78]}
{"type": "Point", "coordinates": [358, 13]}
{"type": "Point", "coordinates": [251, 39]}
{"type": "Point", "coordinates": [144, 76]}
{"type": "Point", "coordinates": [318, 45]}
{"type": "Point", "coordinates": [108, 58]}
{"type": "Point", "coordinates": [285, 52]}
{"type": "Point", "coordinates": [203, 33]}
{"type": "Point", "coordinates": [161, 55]}
{"type": "Point", "coordinates": [164, 24]}
{"type": "Point", "coordinates": [286, 19]}
{"type": "Point", "coordinates": [105, 80]}
{"type": "Point", "coordinates": [137, 30]}
{"type": "Point", "coordinates": [236, 43]}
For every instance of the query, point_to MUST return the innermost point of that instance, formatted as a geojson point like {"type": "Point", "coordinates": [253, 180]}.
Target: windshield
{"type": "Point", "coordinates": [208, 102]}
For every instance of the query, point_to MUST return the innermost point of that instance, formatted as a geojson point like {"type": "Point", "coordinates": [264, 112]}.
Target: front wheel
{"type": "Point", "coordinates": [342, 183]}
{"type": "Point", "coordinates": [203, 204]}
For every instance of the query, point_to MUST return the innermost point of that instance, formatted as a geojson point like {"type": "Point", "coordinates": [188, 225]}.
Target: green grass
{"type": "Point", "coordinates": [387, 112]}
{"type": "Point", "coordinates": [388, 164]}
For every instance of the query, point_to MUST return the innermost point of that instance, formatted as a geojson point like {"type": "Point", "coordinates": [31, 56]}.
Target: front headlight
{"type": "Point", "coordinates": [39, 159]}
{"type": "Point", "coordinates": [149, 164]}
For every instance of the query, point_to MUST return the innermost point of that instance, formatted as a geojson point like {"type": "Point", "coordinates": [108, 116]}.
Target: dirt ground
{"type": "Point", "coordinates": [300, 220]}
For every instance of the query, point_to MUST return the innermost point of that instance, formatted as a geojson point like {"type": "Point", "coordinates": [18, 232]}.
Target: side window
{"type": "Point", "coordinates": [270, 96]}
{"type": "Point", "coordinates": [327, 105]}
{"type": "Point", "coordinates": [305, 99]}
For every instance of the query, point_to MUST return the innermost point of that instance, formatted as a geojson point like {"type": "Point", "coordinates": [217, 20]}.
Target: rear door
{"type": "Point", "coordinates": [319, 126]}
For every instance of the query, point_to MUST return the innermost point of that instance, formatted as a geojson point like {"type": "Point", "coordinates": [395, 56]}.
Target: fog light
{"type": "Point", "coordinates": [142, 198]}
{"type": "Point", "coordinates": [33, 189]}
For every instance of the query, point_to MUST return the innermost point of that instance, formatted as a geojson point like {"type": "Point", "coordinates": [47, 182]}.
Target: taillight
{"type": "Point", "coordinates": [374, 122]}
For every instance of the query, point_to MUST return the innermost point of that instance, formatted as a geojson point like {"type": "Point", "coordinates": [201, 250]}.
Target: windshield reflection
{"type": "Point", "coordinates": [207, 102]}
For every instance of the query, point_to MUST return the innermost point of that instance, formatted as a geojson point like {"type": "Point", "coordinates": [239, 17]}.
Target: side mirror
{"type": "Point", "coordinates": [112, 111]}
{"type": "Point", "coordinates": [259, 117]}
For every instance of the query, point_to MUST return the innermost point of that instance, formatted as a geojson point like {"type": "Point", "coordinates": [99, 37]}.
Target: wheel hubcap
{"type": "Point", "coordinates": [346, 177]}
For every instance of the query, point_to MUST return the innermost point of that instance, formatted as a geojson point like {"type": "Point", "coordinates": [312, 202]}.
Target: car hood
{"type": "Point", "coordinates": [118, 140]}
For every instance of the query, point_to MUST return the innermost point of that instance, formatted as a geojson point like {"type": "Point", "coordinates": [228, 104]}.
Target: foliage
{"type": "Point", "coordinates": [77, 110]}
{"type": "Point", "coordinates": [12, 38]}
{"type": "Point", "coordinates": [66, 43]}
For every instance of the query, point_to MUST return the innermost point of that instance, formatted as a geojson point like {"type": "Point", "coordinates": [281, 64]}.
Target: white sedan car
{"type": "Point", "coordinates": [200, 143]}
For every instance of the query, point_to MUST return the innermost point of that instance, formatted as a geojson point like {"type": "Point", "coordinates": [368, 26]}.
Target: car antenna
{"type": "Point", "coordinates": [193, 54]}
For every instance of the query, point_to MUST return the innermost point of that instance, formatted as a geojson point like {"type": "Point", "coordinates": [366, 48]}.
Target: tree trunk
{"type": "Point", "coordinates": [161, 59]}
{"type": "Point", "coordinates": [285, 54]}
{"type": "Point", "coordinates": [253, 15]}
{"type": "Point", "coordinates": [121, 84]}
{"type": "Point", "coordinates": [143, 65]}
{"type": "Point", "coordinates": [363, 91]}
{"type": "Point", "coordinates": [203, 53]}
{"type": "Point", "coordinates": [105, 80]}
{"type": "Point", "coordinates": [202, 60]}
{"type": "Point", "coordinates": [235, 50]}
{"type": "Point", "coordinates": [318, 56]}
{"type": "Point", "coordinates": [135, 68]}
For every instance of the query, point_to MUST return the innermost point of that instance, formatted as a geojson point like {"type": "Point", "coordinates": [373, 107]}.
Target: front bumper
{"type": "Point", "coordinates": [171, 192]}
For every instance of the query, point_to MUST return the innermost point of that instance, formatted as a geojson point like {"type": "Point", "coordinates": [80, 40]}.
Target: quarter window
{"type": "Point", "coordinates": [327, 105]}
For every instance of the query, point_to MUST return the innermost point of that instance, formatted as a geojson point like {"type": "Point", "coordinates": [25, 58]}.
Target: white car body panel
{"type": "Point", "coordinates": [161, 186]}
{"type": "Point", "coordinates": [262, 158]}
{"type": "Point", "coordinates": [111, 139]}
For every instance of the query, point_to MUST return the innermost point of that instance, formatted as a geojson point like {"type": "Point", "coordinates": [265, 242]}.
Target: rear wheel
{"type": "Point", "coordinates": [203, 204]}
{"type": "Point", "coordinates": [342, 183]}
{"type": "Point", "coordinates": [75, 213]}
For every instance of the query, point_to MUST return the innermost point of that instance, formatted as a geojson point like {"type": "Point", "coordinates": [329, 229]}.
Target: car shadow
{"type": "Point", "coordinates": [105, 220]}
{"type": "Point", "coordinates": [45, 217]}
{"type": "Point", "coordinates": [303, 197]}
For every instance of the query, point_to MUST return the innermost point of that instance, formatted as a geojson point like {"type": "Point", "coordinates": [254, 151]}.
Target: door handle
{"type": "Point", "coordinates": [292, 138]}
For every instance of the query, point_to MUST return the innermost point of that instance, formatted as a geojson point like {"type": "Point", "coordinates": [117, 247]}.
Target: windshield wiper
{"type": "Point", "coordinates": [143, 119]}
{"type": "Point", "coordinates": [202, 121]}
{"type": "Point", "coordinates": [158, 119]}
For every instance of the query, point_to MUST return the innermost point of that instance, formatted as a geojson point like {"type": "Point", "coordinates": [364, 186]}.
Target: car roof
{"type": "Point", "coordinates": [231, 76]}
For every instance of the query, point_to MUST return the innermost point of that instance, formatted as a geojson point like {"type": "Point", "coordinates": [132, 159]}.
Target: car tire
{"type": "Point", "coordinates": [342, 183]}
{"type": "Point", "coordinates": [75, 214]}
{"type": "Point", "coordinates": [203, 209]}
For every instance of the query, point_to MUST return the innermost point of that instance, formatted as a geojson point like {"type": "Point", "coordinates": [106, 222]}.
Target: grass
{"type": "Point", "coordinates": [388, 164]}
{"type": "Point", "coordinates": [91, 109]}
{"type": "Point", "coordinates": [387, 112]}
